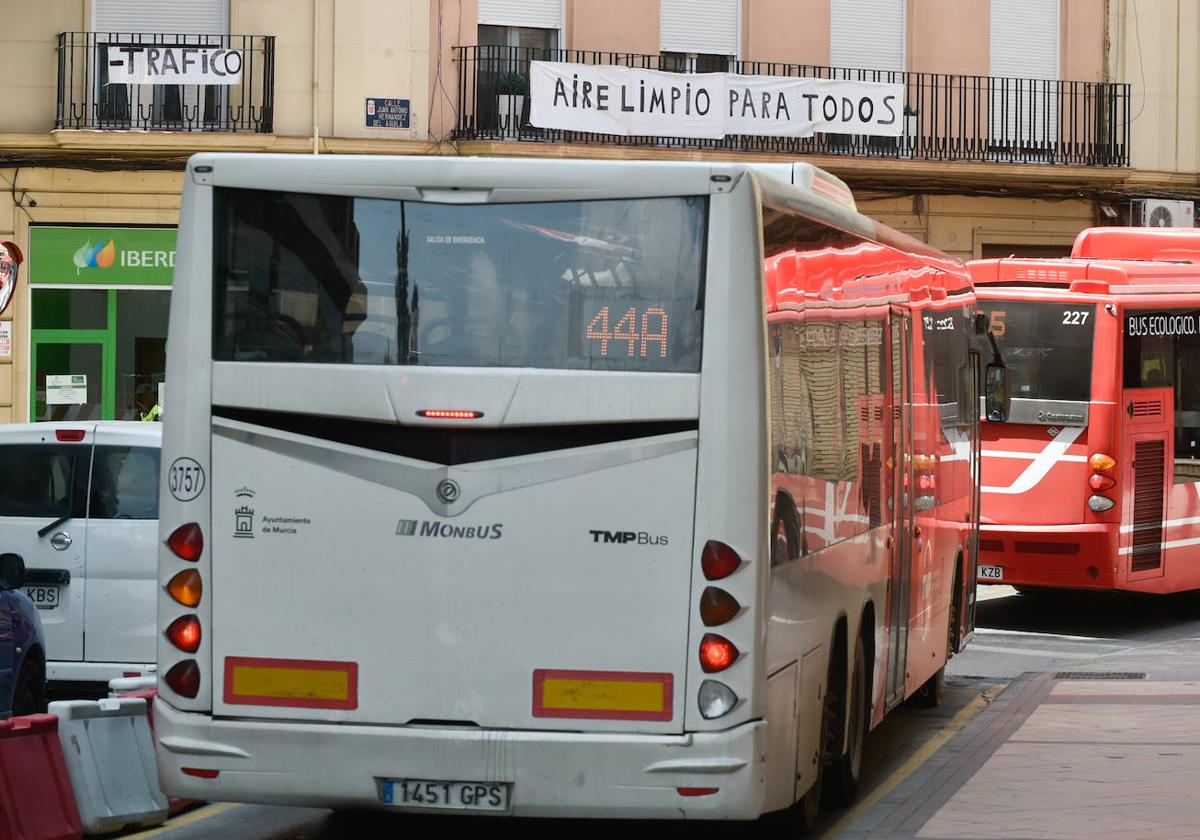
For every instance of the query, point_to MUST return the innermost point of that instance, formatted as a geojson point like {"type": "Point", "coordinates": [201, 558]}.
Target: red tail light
{"type": "Point", "coordinates": [184, 678]}
{"type": "Point", "coordinates": [696, 791]}
{"type": "Point", "coordinates": [200, 772]}
{"type": "Point", "coordinates": [926, 483]}
{"type": "Point", "coordinates": [718, 560]}
{"type": "Point", "coordinates": [1101, 482]}
{"type": "Point", "coordinates": [717, 606]}
{"type": "Point", "coordinates": [716, 653]}
{"type": "Point", "coordinates": [68, 435]}
{"type": "Point", "coordinates": [187, 542]}
{"type": "Point", "coordinates": [184, 633]}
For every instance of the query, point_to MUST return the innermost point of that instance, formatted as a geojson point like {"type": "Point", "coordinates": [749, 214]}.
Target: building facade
{"type": "Point", "coordinates": [1024, 122]}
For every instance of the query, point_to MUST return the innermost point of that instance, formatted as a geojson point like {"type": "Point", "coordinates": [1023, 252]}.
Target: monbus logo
{"type": "Point", "coordinates": [444, 530]}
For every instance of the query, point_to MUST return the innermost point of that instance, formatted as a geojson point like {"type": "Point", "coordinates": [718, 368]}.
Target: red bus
{"type": "Point", "coordinates": [875, 441]}
{"type": "Point", "coordinates": [1092, 479]}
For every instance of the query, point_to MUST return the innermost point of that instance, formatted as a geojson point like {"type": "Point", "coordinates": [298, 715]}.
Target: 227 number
{"type": "Point", "coordinates": [653, 330]}
{"type": "Point", "coordinates": [1075, 317]}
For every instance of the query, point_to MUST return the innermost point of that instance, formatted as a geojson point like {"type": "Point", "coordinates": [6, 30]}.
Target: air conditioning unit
{"type": "Point", "coordinates": [1158, 212]}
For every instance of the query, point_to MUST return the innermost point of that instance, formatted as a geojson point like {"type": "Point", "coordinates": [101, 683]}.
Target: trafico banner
{"type": "Point", "coordinates": [157, 65]}
{"type": "Point", "coordinates": [625, 101]}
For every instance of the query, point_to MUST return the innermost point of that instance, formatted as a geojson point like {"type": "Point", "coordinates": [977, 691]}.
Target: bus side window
{"type": "Point", "coordinates": [1187, 409]}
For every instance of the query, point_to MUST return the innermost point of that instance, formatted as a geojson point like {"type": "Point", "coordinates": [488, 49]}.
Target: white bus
{"type": "Point", "coordinates": [482, 490]}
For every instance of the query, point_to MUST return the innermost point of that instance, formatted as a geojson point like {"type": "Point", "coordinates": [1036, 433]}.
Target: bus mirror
{"type": "Point", "coordinates": [981, 323]}
{"type": "Point", "coordinates": [995, 404]}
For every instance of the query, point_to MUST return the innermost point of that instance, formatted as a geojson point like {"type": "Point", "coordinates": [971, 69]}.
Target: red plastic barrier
{"type": "Point", "coordinates": [36, 799]}
{"type": "Point", "coordinates": [174, 805]}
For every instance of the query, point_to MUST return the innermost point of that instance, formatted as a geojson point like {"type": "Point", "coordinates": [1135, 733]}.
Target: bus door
{"type": "Point", "coordinates": [1147, 477]}
{"type": "Point", "coordinates": [900, 467]}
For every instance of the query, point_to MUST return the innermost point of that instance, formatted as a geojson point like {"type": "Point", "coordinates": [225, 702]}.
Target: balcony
{"type": "Point", "coordinates": [88, 100]}
{"type": "Point", "coordinates": [968, 119]}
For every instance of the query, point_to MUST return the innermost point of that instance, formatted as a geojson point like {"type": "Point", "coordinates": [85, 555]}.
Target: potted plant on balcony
{"type": "Point", "coordinates": [510, 98]}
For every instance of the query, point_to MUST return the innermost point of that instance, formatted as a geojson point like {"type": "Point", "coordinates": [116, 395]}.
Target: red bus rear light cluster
{"type": "Point", "coordinates": [717, 606]}
{"type": "Point", "coordinates": [1100, 463]}
{"type": "Point", "coordinates": [186, 587]}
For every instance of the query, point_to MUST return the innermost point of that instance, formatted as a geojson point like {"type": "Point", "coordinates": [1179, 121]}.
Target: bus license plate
{"type": "Point", "coordinates": [991, 573]}
{"type": "Point", "coordinates": [43, 597]}
{"type": "Point", "coordinates": [462, 796]}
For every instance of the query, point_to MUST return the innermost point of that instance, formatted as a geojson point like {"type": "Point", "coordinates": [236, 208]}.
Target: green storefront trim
{"type": "Point", "coordinates": [101, 256]}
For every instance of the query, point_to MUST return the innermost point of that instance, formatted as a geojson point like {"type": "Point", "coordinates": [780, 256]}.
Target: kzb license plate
{"type": "Point", "coordinates": [991, 573]}
{"type": "Point", "coordinates": [43, 597]}
{"type": "Point", "coordinates": [463, 796]}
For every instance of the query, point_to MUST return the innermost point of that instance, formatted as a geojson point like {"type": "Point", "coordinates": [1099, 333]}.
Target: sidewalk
{"type": "Point", "coordinates": [1111, 752]}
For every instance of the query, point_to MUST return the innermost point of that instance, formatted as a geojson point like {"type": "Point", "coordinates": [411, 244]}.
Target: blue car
{"type": "Point", "coordinates": [22, 644]}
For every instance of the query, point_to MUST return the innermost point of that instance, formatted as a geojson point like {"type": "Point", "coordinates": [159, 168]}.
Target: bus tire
{"type": "Point", "coordinates": [844, 774]}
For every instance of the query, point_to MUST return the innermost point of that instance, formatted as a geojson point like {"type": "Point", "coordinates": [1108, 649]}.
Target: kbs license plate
{"type": "Point", "coordinates": [991, 573]}
{"type": "Point", "coordinates": [463, 796]}
{"type": "Point", "coordinates": [43, 597]}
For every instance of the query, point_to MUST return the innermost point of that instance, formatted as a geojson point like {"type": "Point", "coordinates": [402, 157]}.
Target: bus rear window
{"type": "Point", "coordinates": [1047, 347]}
{"type": "Point", "coordinates": [591, 285]}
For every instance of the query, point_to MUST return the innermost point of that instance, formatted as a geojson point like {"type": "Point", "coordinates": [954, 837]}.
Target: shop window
{"type": "Point", "coordinates": [70, 309]}
{"type": "Point", "coordinates": [141, 351]}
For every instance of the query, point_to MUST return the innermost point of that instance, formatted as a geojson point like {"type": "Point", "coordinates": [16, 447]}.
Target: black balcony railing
{"type": "Point", "coordinates": [947, 117]}
{"type": "Point", "coordinates": [86, 98]}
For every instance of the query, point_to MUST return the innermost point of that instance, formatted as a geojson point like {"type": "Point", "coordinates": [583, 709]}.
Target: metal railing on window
{"type": "Point", "coordinates": [947, 117]}
{"type": "Point", "coordinates": [87, 99]}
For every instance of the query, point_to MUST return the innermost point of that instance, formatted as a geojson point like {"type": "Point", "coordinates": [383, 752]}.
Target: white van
{"type": "Point", "coordinates": [79, 503]}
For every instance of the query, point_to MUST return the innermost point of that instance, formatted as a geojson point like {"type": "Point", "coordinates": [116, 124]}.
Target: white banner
{"type": "Point", "coordinates": [150, 65]}
{"type": "Point", "coordinates": [626, 101]}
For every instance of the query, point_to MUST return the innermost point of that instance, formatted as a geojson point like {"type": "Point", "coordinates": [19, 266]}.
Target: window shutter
{"type": "Point", "coordinates": [539, 14]}
{"type": "Point", "coordinates": [165, 17]}
{"type": "Point", "coordinates": [1024, 38]}
{"type": "Point", "coordinates": [867, 34]}
{"type": "Point", "coordinates": [701, 26]}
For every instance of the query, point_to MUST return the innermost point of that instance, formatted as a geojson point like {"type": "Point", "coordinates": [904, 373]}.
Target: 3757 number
{"type": "Point", "coordinates": [637, 342]}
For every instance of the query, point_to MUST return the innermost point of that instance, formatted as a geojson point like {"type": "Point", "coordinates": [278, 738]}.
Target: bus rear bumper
{"type": "Point", "coordinates": [551, 774]}
{"type": "Point", "coordinates": [1065, 556]}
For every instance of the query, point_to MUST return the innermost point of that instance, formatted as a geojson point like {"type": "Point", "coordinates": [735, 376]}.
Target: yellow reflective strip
{"type": "Point", "coordinates": [312, 683]}
{"type": "Point", "coordinates": [603, 695]}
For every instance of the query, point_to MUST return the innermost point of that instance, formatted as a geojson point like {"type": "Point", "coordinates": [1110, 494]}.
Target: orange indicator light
{"type": "Point", "coordinates": [186, 587]}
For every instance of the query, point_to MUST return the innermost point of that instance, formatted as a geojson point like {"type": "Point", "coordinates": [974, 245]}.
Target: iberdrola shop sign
{"type": "Point", "coordinates": [102, 256]}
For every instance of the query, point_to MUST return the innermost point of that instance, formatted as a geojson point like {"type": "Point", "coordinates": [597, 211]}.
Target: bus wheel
{"type": "Point", "coordinates": [847, 768]}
